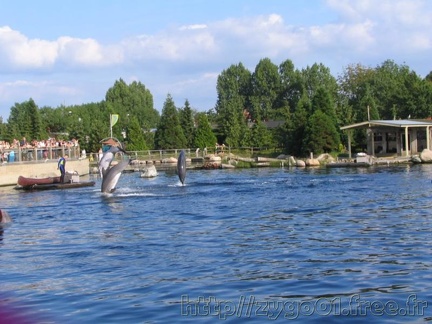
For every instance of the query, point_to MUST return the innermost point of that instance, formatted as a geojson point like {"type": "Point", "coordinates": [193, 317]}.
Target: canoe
{"type": "Point", "coordinates": [25, 182]}
{"type": "Point", "coordinates": [52, 186]}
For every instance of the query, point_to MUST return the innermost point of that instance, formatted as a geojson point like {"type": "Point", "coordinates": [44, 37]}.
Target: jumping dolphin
{"type": "Point", "coordinates": [181, 166]}
{"type": "Point", "coordinates": [112, 175]}
{"type": "Point", "coordinates": [107, 158]}
{"type": "Point", "coordinates": [4, 217]}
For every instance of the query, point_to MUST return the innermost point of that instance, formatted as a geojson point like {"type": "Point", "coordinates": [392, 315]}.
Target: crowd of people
{"type": "Point", "coordinates": [8, 151]}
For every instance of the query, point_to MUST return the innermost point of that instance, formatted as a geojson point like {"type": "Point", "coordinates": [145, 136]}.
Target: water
{"type": "Point", "coordinates": [257, 244]}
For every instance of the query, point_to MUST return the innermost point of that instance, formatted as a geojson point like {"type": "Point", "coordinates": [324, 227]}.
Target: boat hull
{"type": "Point", "coordinates": [53, 186]}
{"type": "Point", "coordinates": [24, 182]}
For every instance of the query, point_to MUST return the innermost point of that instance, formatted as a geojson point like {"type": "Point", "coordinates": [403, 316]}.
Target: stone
{"type": "Point", "coordinates": [426, 156]}
{"type": "Point", "coordinates": [300, 163]}
{"type": "Point", "coordinates": [312, 162]}
{"type": "Point", "coordinates": [149, 172]}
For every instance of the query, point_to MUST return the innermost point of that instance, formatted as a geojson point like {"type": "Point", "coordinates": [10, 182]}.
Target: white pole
{"type": "Point", "coordinates": [110, 126]}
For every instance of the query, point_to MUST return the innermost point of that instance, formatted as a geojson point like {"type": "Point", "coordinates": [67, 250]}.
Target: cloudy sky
{"type": "Point", "coordinates": [72, 51]}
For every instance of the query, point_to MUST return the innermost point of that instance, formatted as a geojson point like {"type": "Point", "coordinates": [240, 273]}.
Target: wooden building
{"type": "Point", "coordinates": [393, 137]}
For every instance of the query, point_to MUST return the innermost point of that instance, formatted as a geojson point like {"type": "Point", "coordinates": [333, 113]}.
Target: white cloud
{"type": "Point", "coordinates": [193, 27]}
{"type": "Point", "coordinates": [363, 26]}
{"type": "Point", "coordinates": [178, 59]}
{"type": "Point", "coordinates": [87, 52]}
{"type": "Point", "coordinates": [21, 53]}
{"type": "Point", "coordinates": [17, 51]}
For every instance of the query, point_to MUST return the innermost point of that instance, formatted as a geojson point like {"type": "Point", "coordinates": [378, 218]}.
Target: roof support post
{"type": "Point", "coordinates": [349, 145]}
{"type": "Point", "coordinates": [428, 137]}
{"type": "Point", "coordinates": [372, 134]}
{"type": "Point", "coordinates": [406, 141]}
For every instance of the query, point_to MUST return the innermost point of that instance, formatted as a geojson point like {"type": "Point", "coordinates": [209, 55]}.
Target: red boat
{"type": "Point", "coordinates": [26, 182]}
{"type": "Point", "coordinates": [49, 183]}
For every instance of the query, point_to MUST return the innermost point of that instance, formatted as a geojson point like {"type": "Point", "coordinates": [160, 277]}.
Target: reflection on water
{"type": "Point", "coordinates": [310, 244]}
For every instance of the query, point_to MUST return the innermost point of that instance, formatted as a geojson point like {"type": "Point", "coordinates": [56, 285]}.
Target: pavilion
{"type": "Point", "coordinates": [402, 137]}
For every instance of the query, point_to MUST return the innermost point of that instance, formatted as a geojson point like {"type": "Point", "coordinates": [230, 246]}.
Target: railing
{"type": "Point", "coordinates": [159, 155]}
{"type": "Point", "coordinates": [39, 154]}
{"type": "Point", "coordinates": [148, 155]}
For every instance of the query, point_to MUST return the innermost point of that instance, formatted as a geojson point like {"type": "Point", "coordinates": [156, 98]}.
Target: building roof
{"type": "Point", "coordinates": [111, 141]}
{"type": "Point", "coordinates": [390, 123]}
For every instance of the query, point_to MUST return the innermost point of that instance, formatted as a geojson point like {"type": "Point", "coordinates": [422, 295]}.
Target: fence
{"type": "Point", "coordinates": [159, 155]}
{"type": "Point", "coordinates": [148, 155]}
{"type": "Point", "coordinates": [39, 154]}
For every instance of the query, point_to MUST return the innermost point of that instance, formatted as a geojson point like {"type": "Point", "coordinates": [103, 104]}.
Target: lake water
{"type": "Point", "coordinates": [240, 245]}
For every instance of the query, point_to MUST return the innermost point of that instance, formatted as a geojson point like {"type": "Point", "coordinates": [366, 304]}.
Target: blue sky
{"type": "Point", "coordinates": [72, 52]}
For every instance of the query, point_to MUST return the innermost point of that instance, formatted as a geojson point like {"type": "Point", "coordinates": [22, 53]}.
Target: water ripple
{"type": "Point", "coordinates": [231, 237]}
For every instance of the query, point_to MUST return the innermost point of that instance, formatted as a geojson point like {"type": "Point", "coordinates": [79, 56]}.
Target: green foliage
{"type": "Point", "coordinates": [311, 103]}
{"type": "Point", "coordinates": [261, 136]}
{"type": "Point", "coordinates": [291, 84]}
{"type": "Point", "coordinates": [127, 101]}
{"type": "Point", "coordinates": [265, 89]}
{"type": "Point", "coordinates": [25, 121]}
{"type": "Point", "coordinates": [320, 134]}
{"type": "Point", "coordinates": [233, 86]}
{"type": "Point", "coordinates": [297, 127]}
{"type": "Point", "coordinates": [135, 135]}
{"type": "Point", "coordinates": [204, 136]}
{"type": "Point", "coordinates": [169, 134]}
{"type": "Point", "coordinates": [317, 77]}
{"type": "Point", "coordinates": [187, 123]}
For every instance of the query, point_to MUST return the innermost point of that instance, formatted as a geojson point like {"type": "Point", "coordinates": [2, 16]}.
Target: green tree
{"type": "Point", "coordinates": [3, 130]}
{"type": "Point", "coordinates": [266, 85]}
{"type": "Point", "coordinates": [261, 136]}
{"type": "Point", "coordinates": [294, 144]}
{"type": "Point", "coordinates": [24, 121]}
{"type": "Point", "coordinates": [318, 76]}
{"type": "Point", "coordinates": [232, 88]}
{"type": "Point", "coordinates": [187, 123]}
{"type": "Point", "coordinates": [283, 131]}
{"type": "Point", "coordinates": [320, 134]}
{"type": "Point", "coordinates": [136, 138]}
{"type": "Point", "coordinates": [127, 101]}
{"type": "Point", "coordinates": [322, 100]}
{"type": "Point", "coordinates": [234, 127]}
{"type": "Point", "coordinates": [204, 137]}
{"type": "Point", "coordinates": [291, 84]}
{"type": "Point", "coordinates": [169, 134]}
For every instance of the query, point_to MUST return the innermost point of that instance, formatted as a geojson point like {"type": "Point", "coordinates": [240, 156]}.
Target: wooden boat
{"type": "Point", "coordinates": [52, 186]}
{"type": "Point", "coordinates": [25, 182]}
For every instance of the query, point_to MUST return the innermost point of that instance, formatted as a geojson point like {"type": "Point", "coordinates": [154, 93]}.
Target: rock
{"type": "Point", "coordinates": [170, 160]}
{"type": "Point", "coordinates": [325, 158]}
{"type": "Point", "coordinates": [426, 156]}
{"type": "Point", "coordinates": [416, 159]}
{"type": "Point", "coordinates": [312, 162]}
{"type": "Point", "coordinates": [149, 172]}
{"type": "Point", "coordinates": [215, 159]}
{"type": "Point", "coordinates": [300, 163]}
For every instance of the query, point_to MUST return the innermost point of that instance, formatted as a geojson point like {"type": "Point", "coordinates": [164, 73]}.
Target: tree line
{"type": "Point", "coordinates": [297, 111]}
